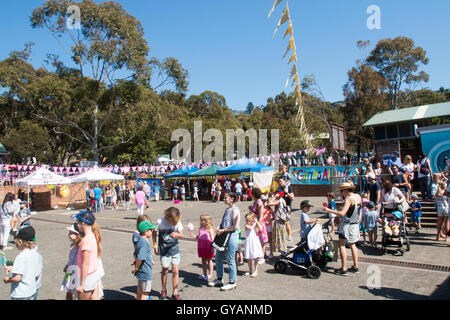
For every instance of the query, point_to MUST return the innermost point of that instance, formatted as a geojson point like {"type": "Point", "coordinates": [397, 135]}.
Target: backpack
{"type": "Point", "coordinates": [283, 212]}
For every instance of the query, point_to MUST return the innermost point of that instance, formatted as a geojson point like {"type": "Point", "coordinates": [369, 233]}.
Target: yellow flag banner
{"type": "Point", "coordinates": [284, 17]}
{"type": "Point", "coordinates": [277, 2]}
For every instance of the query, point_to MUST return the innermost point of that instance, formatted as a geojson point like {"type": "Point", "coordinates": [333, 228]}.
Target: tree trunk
{"type": "Point", "coordinates": [95, 141]}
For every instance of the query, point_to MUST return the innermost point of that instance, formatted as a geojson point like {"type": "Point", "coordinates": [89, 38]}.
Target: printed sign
{"type": "Point", "coordinates": [319, 175]}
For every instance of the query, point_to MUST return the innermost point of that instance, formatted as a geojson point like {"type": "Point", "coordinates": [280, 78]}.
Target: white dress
{"type": "Point", "coordinates": [252, 245]}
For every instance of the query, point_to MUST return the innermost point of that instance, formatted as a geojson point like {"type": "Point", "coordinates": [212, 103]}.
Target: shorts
{"type": "Point", "coordinates": [442, 213]}
{"type": "Point", "coordinates": [92, 280]}
{"type": "Point", "coordinates": [414, 219]}
{"type": "Point", "coordinates": [145, 285]}
{"type": "Point", "coordinates": [168, 261]}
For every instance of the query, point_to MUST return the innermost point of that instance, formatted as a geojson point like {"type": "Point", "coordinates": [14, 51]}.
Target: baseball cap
{"type": "Point", "coordinates": [26, 234]}
{"type": "Point", "coordinates": [85, 216]}
{"type": "Point", "coordinates": [306, 203]}
{"type": "Point", "coordinates": [146, 225]}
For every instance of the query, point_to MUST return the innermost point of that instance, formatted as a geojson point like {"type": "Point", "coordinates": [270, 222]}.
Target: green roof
{"type": "Point", "coordinates": [410, 114]}
{"type": "Point", "coordinates": [3, 151]}
{"type": "Point", "coordinates": [208, 171]}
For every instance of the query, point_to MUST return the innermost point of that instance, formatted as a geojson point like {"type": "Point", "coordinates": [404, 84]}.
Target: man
{"type": "Point", "coordinates": [228, 186]}
{"type": "Point", "coordinates": [374, 190]}
{"type": "Point", "coordinates": [399, 180]}
{"type": "Point", "coordinates": [163, 184]}
{"type": "Point", "coordinates": [288, 196]}
{"type": "Point", "coordinates": [98, 198]}
{"type": "Point", "coordinates": [88, 196]}
{"type": "Point", "coordinates": [147, 191]}
{"type": "Point", "coordinates": [395, 161]}
{"type": "Point", "coordinates": [238, 187]}
{"type": "Point", "coordinates": [285, 175]}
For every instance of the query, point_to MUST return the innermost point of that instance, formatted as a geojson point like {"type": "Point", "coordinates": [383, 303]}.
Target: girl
{"type": "Point", "coordinates": [442, 212]}
{"type": "Point", "coordinates": [258, 209]}
{"type": "Point", "coordinates": [140, 200]}
{"type": "Point", "coordinates": [409, 167]}
{"type": "Point", "coordinates": [70, 268]}
{"type": "Point", "coordinates": [183, 193]}
{"type": "Point", "coordinates": [89, 266]}
{"type": "Point", "coordinates": [196, 192]}
{"type": "Point", "coordinates": [378, 170]}
{"type": "Point", "coordinates": [205, 250]}
{"type": "Point", "coordinates": [114, 199]}
{"type": "Point", "coordinates": [267, 220]}
{"type": "Point", "coordinates": [279, 232]}
{"type": "Point", "coordinates": [362, 225]}
{"type": "Point", "coordinates": [170, 230]}
{"type": "Point", "coordinates": [6, 216]}
{"type": "Point", "coordinates": [108, 193]}
{"type": "Point", "coordinates": [252, 246]}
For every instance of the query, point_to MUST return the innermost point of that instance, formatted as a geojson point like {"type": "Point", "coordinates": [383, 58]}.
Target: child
{"type": "Point", "coordinates": [305, 206]}
{"type": "Point", "coordinates": [23, 217]}
{"type": "Point", "coordinates": [442, 211]}
{"type": "Point", "coordinates": [362, 225]}
{"type": "Point", "coordinates": [143, 261]}
{"type": "Point", "coordinates": [137, 235]}
{"type": "Point", "coordinates": [416, 212]}
{"type": "Point", "coordinates": [252, 246]}
{"type": "Point", "coordinates": [239, 257]}
{"type": "Point", "coordinates": [183, 193]}
{"type": "Point", "coordinates": [205, 250]}
{"type": "Point", "coordinates": [68, 284]}
{"type": "Point", "coordinates": [26, 268]}
{"type": "Point", "coordinates": [268, 215]}
{"type": "Point", "coordinates": [332, 206]}
{"type": "Point", "coordinates": [370, 221]}
{"type": "Point", "coordinates": [170, 230]}
{"type": "Point", "coordinates": [196, 192]}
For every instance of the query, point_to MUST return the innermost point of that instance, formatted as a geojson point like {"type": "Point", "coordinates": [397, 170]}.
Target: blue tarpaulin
{"type": "Point", "coordinates": [244, 167]}
{"type": "Point", "coordinates": [182, 172]}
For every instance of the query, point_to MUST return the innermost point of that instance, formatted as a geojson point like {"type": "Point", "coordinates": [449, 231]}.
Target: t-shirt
{"type": "Point", "coordinates": [98, 193]}
{"type": "Point", "coordinates": [88, 243]}
{"type": "Point", "coordinates": [228, 185]}
{"type": "Point", "coordinates": [27, 265]}
{"type": "Point", "coordinates": [373, 189]}
{"type": "Point", "coordinates": [238, 187]}
{"type": "Point", "coordinates": [332, 206]}
{"type": "Point", "coordinates": [167, 245]}
{"type": "Point", "coordinates": [391, 197]}
{"type": "Point", "coordinates": [304, 228]}
{"type": "Point", "coordinates": [434, 188]}
{"type": "Point", "coordinates": [399, 178]}
{"type": "Point", "coordinates": [88, 193]}
{"type": "Point", "coordinates": [371, 219]}
{"type": "Point", "coordinates": [140, 197]}
{"type": "Point", "coordinates": [416, 204]}
{"type": "Point", "coordinates": [23, 213]}
{"type": "Point", "coordinates": [156, 189]}
{"type": "Point", "coordinates": [397, 162]}
{"type": "Point", "coordinates": [285, 196]}
{"type": "Point", "coordinates": [143, 252]}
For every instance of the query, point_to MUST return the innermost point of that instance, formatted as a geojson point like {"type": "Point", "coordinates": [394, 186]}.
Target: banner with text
{"type": "Point", "coordinates": [319, 175]}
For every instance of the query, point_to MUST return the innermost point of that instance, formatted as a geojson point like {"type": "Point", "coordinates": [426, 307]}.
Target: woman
{"type": "Point", "coordinates": [408, 168]}
{"type": "Point", "coordinates": [89, 265]}
{"type": "Point", "coordinates": [391, 197]}
{"type": "Point", "coordinates": [349, 227]}
{"type": "Point", "coordinates": [279, 232]}
{"type": "Point", "coordinates": [258, 209]}
{"type": "Point", "coordinates": [108, 194]}
{"type": "Point", "coordinates": [230, 223]}
{"type": "Point", "coordinates": [378, 171]}
{"type": "Point", "coordinates": [424, 175]}
{"type": "Point", "coordinates": [7, 213]}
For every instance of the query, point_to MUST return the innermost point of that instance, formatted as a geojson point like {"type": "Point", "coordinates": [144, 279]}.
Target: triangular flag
{"type": "Point", "coordinates": [284, 17]}
{"type": "Point", "coordinates": [277, 2]}
{"type": "Point", "coordinates": [288, 30]}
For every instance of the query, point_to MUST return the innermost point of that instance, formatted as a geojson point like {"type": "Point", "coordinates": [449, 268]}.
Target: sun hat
{"type": "Point", "coordinates": [346, 185]}
{"type": "Point", "coordinates": [146, 225]}
{"type": "Point", "coordinates": [73, 228]}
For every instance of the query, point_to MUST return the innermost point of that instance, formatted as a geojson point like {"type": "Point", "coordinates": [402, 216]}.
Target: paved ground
{"type": "Point", "coordinates": [396, 282]}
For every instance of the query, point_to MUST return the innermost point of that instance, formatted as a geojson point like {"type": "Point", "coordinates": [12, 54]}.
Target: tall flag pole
{"type": "Point", "coordinates": [286, 17]}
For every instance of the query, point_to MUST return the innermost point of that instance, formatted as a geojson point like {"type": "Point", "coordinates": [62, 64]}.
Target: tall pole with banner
{"type": "Point", "coordinates": [337, 136]}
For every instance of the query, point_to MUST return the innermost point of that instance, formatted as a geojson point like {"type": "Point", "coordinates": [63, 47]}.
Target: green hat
{"type": "Point", "coordinates": [145, 225]}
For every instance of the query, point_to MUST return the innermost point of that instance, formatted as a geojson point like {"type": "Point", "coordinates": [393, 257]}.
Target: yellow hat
{"type": "Point", "coordinates": [347, 185]}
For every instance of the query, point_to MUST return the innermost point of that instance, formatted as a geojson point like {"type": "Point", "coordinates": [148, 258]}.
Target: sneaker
{"type": "Point", "coordinates": [176, 297]}
{"type": "Point", "coordinates": [215, 283]}
{"type": "Point", "coordinates": [341, 272]}
{"type": "Point", "coordinates": [353, 270]}
{"type": "Point", "coordinates": [229, 286]}
{"type": "Point", "coordinates": [261, 261]}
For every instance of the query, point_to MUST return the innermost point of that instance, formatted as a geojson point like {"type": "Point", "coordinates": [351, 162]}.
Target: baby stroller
{"type": "Point", "coordinates": [302, 258]}
{"type": "Point", "coordinates": [394, 232]}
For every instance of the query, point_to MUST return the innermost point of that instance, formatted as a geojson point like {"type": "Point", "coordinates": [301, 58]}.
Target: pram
{"type": "Point", "coordinates": [394, 232]}
{"type": "Point", "coordinates": [302, 258]}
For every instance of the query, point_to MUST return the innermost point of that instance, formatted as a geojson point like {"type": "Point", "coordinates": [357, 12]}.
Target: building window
{"type": "Point", "coordinates": [392, 131]}
{"type": "Point", "coordinates": [380, 133]}
{"type": "Point", "coordinates": [405, 130]}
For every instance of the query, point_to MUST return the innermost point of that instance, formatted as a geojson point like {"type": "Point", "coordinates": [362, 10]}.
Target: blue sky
{"type": "Point", "coordinates": [227, 45]}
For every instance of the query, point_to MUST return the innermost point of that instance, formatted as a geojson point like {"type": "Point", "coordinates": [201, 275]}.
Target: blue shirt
{"type": "Point", "coordinates": [304, 228]}
{"type": "Point", "coordinates": [98, 193]}
{"type": "Point", "coordinates": [371, 219]}
{"type": "Point", "coordinates": [156, 189]}
{"type": "Point", "coordinates": [143, 252]}
{"type": "Point", "coordinates": [332, 205]}
{"type": "Point", "coordinates": [416, 204]}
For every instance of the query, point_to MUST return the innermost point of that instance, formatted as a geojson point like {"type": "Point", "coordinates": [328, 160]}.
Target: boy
{"type": "Point", "coordinates": [170, 230]}
{"type": "Point", "coordinates": [24, 215]}
{"type": "Point", "coordinates": [370, 221]}
{"type": "Point", "coordinates": [304, 219]}
{"type": "Point", "coordinates": [331, 205]}
{"type": "Point", "coordinates": [143, 262]}
{"type": "Point", "coordinates": [416, 213]}
{"type": "Point", "coordinates": [26, 268]}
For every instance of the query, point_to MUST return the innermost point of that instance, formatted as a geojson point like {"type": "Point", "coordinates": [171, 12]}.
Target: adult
{"type": "Point", "coordinates": [424, 174]}
{"type": "Point", "coordinates": [349, 227]}
{"type": "Point", "coordinates": [230, 223]}
{"type": "Point", "coordinates": [213, 191]}
{"type": "Point", "coordinates": [108, 194]}
{"type": "Point", "coordinates": [374, 191]}
{"type": "Point", "coordinates": [408, 168]}
{"type": "Point", "coordinates": [391, 197]}
{"type": "Point", "coordinates": [238, 187]}
{"type": "Point", "coordinates": [118, 193]}
{"type": "Point", "coordinates": [7, 212]}
{"type": "Point", "coordinates": [227, 186]}
{"type": "Point", "coordinates": [98, 193]}
{"type": "Point", "coordinates": [156, 191]}
{"type": "Point", "coordinates": [399, 180]}
{"type": "Point", "coordinates": [140, 200]}
{"type": "Point", "coordinates": [285, 174]}
{"type": "Point", "coordinates": [147, 190]}
{"type": "Point", "coordinates": [89, 199]}
{"type": "Point", "coordinates": [162, 188]}
{"type": "Point", "coordinates": [288, 196]}
{"type": "Point", "coordinates": [89, 265]}
{"type": "Point", "coordinates": [395, 160]}
{"type": "Point", "coordinates": [258, 209]}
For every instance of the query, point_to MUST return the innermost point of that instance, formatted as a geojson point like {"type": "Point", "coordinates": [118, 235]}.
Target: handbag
{"type": "Point", "coordinates": [220, 242]}
{"type": "Point", "coordinates": [424, 169]}
{"type": "Point", "coordinates": [403, 207]}
{"type": "Point", "coordinates": [283, 212]}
